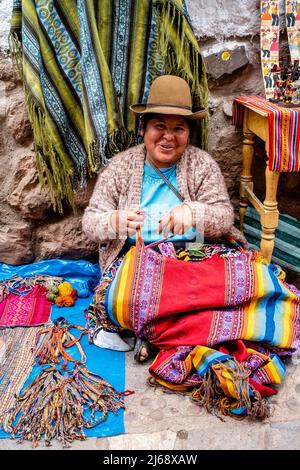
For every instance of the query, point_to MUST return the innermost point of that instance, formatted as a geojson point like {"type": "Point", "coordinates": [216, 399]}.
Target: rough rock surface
{"type": "Point", "coordinates": [5, 13]}
{"type": "Point", "coordinates": [222, 19]}
{"type": "Point", "coordinates": [15, 241]}
{"type": "Point", "coordinates": [26, 194]}
{"type": "Point", "coordinates": [83, 195]}
{"type": "Point", "coordinates": [225, 61]}
{"type": "Point", "coordinates": [63, 239]}
{"type": "Point", "coordinates": [17, 120]}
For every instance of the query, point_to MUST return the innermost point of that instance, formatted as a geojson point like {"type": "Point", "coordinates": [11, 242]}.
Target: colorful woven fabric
{"type": "Point", "coordinates": [25, 308]}
{"type": "Point", "coordinates": [292, 15]}
{"type": "Point", "coordinates": [188, 309]}
{"type": "Point", "coordinates": [269, 42]}
{"type": "Point", "coordinates": [283, 129]}
{"type": "Point", "coordinates": [16, 363]}
{"type": "Point", "coordinates": [83, 64]}
{"type": "Point", "coordinates": [269, 39]}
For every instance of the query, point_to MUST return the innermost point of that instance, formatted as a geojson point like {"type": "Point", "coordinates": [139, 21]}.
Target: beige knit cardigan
{"type": "Point", "coordinates": [119, 186]}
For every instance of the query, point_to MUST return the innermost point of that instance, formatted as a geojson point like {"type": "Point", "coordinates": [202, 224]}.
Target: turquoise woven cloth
{"type": "Point", "coordinates": [287, 238]}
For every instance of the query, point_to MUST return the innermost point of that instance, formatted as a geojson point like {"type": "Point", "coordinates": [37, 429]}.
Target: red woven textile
{"type": "Point", "coordinates": [283, 130]}
{"type": "Point", "coordinates": [29, 309]}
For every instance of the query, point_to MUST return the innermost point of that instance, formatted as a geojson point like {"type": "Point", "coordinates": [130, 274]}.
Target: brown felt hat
{"type": "Point", "coordinates": [169, 94]}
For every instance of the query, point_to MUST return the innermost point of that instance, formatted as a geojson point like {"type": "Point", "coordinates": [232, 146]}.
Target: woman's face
{"type": "Point", "coordinates": [165, 138]}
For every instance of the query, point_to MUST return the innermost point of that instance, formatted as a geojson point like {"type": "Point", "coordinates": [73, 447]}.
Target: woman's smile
{"type": "Point", "coordinates": [166, 147]}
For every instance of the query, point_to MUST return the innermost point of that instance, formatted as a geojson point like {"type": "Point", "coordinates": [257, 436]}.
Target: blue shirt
{"type": "Point", "coordinates": [157, 199]}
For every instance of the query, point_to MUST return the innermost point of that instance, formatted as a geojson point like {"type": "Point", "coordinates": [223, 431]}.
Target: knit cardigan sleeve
{"type": "Point", "coordinates": [104, 201]}
{"type": "Point", "coordinates": [212, 210]}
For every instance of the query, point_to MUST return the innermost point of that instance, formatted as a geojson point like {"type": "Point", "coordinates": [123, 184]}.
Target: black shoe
{"type": "Point", "coordinates": [149, 348]}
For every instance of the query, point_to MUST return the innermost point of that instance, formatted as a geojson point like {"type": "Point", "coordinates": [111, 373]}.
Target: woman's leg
{"type": "Point", "coordinates": [103, 332]}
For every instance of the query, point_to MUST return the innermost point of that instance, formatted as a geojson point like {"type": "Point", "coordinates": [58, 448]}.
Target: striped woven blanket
{"type": "Point", "coordinates": [284, 130]}
{"type": "Point", "coordinates": [83, 64]}
{"type": "Point", "coordinates": [220, 323]}
{"type": "Point", "coordinates": [287, 238]}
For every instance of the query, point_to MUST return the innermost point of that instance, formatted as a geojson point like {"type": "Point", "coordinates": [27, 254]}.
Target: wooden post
{"type": "Point", "coordinates": [269, 217]}
{"type": "Point", "coordinates": [246, 177]}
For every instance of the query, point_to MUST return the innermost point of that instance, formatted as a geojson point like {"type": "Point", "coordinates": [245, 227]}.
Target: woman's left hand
{"type": "Point", "coordinates": [177, 221]}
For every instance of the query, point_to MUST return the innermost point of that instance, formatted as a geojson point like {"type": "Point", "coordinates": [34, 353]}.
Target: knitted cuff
{"type": "Point", "coordinates": [104, 228]}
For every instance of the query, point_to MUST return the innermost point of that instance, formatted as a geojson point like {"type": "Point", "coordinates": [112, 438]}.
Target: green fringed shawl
{"type": "Point", "coordinates": [83, 64]}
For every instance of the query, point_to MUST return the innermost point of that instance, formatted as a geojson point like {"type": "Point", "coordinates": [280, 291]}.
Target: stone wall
{"type": "Point", "coordinates": [29, 230]}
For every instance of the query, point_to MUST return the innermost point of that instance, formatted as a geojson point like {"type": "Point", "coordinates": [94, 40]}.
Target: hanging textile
{"type": "Point", "coordinates": [284, 130]}
{"type": "Point", "coordinates": [292, 14]}
{"type": "Point", "coordinates": [269, 39]}
{"type": "Point", "coordinates": [83, 64]}
{"type": "Point", "coordinates": [16, 363]}
{"type": "Point", "coordinates": [189, 309]}
{"type": "Point", "coordinates": [269, 42]}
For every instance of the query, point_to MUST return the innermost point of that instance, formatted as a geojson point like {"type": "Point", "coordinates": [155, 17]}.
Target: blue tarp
{"type": "Point", "coordinates": [109, 364]}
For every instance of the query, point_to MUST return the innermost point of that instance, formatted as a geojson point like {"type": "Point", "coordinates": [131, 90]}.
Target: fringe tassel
{"type": "Point", "coordinates": [119, 141]}
{"type": "Point", "coordinates": [279, 272]}
{"type": "Point", "coordinates": [16, 53]}
{"type": "Point", "coordinates": [211, 395]}
{"type": "Point", "coordinates": [53, 406]}
{"type": "Point", "coordinates": [181, 56]}
{"type": "Point", "coordinates": [51, 343]}
{"type": "Point", "coordinates": [55, 175]}
{"type": "Point", "coordinates": [94, 158]}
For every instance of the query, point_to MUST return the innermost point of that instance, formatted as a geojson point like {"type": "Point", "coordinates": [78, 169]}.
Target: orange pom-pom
{"type": "Point", "coordinates": [60, 300]}
{"type": "Point", "coordinates": [68, 301]}
{"type": "Point", "coordinates": [64, 301]}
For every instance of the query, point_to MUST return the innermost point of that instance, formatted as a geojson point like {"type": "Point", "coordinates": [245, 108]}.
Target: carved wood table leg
{"type": "Point", "coordinates": [270, 215]}
{"type": "Point", "coordinates": [246, 177]}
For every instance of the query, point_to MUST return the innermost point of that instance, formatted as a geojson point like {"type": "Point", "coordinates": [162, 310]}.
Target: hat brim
{"type": "Point", "coordinates": [141, 109]}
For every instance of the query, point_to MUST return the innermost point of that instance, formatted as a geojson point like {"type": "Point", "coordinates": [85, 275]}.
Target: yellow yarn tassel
{"type": "Point", "coordinates": [65, 288]}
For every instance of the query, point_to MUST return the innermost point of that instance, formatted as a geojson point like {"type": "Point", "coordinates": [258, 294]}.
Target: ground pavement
{"type": "Point", "coordinates": [155, 420]}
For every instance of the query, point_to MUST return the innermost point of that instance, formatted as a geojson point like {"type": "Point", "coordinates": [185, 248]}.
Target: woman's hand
{"type": "Point", "coordinates": [127, 222]}
{"type": "Point", "coordinates": [177, 221]}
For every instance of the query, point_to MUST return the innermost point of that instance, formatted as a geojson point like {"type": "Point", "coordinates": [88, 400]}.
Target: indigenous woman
{"type": "Point", "coordinates": [201, 316]}
{"type": "Point", "coordinates": [129, 194]}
